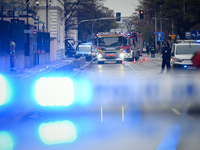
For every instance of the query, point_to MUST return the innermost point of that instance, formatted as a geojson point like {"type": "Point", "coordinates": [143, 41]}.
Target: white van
{"type": "Point", "coordinates": [84, 49]}
{"type": "Point", "coordinates": [182, 53]}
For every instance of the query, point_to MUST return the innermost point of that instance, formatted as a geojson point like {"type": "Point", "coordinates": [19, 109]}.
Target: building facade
{"type": "Point", "coordinates": [55, 24]}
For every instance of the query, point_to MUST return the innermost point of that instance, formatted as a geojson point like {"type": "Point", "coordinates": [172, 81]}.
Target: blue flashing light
{"type": "Point", "coordinates": [2, 90]}
{"type": "Point", "coordinates": [185, 66]}
{"type": "Point", "coordinates": [85, 44]}
{"type": "Point", "coordinates": [58, 91]}
{"type": "Point", "coordinates": [57, 132]}
{"type": "Point", "coordinates": [5, 91]}
{"type": "Point", "coordinates": [171, 138]}
{"type": "Point", "coordinates": [82, 91]}
{"type": "Point", "coordinates": [6, 142]}
{"type": "Point", "coordinates": [197, 41]}
{"type": "Point", "coordinates": [124, 51]}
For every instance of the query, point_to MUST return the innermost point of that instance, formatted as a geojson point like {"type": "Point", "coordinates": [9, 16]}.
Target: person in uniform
{"type": "Point", "coordinates": [166, 52]}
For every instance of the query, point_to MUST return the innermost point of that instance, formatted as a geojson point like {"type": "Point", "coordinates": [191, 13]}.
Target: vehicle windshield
{"type": "Point", "coordinates": [187, 49]}
{"type": "Point", "coordinates": [125, 41]}
{"type": "Point", "coordinates": [110, 41]}
{"type": "Point", "coordinates": [84, 48]}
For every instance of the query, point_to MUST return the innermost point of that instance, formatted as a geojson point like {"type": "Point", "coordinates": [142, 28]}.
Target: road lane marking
{"type": "Point", "coordinates": [101, 114]}
{"type": "Point", "coordinates": [176, 111]}
{"type": "Point", "coordinates": [123, 113]}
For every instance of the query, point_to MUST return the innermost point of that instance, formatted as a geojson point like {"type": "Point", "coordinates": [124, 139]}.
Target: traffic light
{"type": "Point", "coordinates": [141, 12]}
{"type": "Point", "coordinates": [118, 16]}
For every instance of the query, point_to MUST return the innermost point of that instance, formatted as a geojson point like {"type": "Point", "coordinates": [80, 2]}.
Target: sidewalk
{"type": "Point", "coordinates": [65, 65]}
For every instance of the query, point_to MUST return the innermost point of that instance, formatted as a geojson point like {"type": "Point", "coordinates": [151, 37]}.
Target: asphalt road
{"type": "Point", "coordinates": [117, 106]}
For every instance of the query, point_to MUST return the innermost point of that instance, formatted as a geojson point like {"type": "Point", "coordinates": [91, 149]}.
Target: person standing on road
{"type": "Point", "coordinates": [147, 48]}
{"type": "Point", "coordinates": [166, 52]}
{"type": "Point", "coordinates": [153, 51]}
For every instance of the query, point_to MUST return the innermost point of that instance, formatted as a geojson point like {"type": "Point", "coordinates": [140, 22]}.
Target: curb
{"type": "Point", "coordinates": [87, 64]}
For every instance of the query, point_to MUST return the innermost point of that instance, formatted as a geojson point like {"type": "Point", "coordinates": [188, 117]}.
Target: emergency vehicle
{"type": "Point", "coordinates": [127, 47]}
{"type": "Point", "coordinates": [132, 46]}
{"type": "Point", "coordinates": [182, 53]}
{"type": "Point", "coordinates": [110, 47]}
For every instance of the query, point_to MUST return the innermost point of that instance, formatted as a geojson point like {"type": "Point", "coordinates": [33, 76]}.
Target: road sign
{"type": "Point", "coordinates": [155, 32]}
{"type": "Point", "coordinates": [196, 34]}
{"type": "Point", "coordinates": [177, 36]}
{"type": "Point", "coordinates": [34, 31]}
{"type": "Point", "coordinates": [187, 35]}
{"type": "Point", "coordinates": [173, 36]}
{"type": "Point", "coordinates": [160, 36]}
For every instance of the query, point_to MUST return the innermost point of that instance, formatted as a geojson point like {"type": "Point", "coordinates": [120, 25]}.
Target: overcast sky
{"type": "Point", "coordinates": [126, 7]}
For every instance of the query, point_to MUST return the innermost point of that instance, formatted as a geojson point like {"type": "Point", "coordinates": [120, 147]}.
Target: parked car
{"type": "Point", "coordinates": [84, 49]}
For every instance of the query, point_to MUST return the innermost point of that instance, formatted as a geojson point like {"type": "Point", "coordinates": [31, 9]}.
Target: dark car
{"type": "Point", "coordinates": [69, 47]}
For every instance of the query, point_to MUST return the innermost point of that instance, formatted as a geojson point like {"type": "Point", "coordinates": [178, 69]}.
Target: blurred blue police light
{"type": "Point", "coordinates": [5, 92]}
{"type": "Point", "coordinates": [197, 41]}
{"type": "Point", "coordinates": [171, 138]}
{"type": "Point", "coordinates": [83, 92]}
{"type": "Point", "coordinates": [185, 66]}
{"type": "Point", "coordinates": [6, 142]}
{"type": "Point", "coordinates": [57, 132]}
{"type": "Point", "coordinates": [87, 43]}
{"type": "Point", "coordinates": [58, 91]}
{"type": "Point", "coordinates": [2, 90]}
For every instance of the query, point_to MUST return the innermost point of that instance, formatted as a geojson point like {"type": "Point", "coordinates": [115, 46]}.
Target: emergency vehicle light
{"type": "Point", "coordinates": [5, 92]}
{"type": "Point", "coordinates": [6, 141]}
{"type": "Point", "coordinates": [54, 91]}
{"type": "Point", "coordinates": [197, 41]}
{"type": "Point", "coordinates": [57, 132]}
{"type": "Point", "coordinates": [185, 66]}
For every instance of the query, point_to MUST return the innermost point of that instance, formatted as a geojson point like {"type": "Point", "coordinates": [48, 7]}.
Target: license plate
{"type": "Point", "coordinates": [110, 60]}
{"type": "Point", "coordinates": [191, 67]}
{"type": "Point", "coordinates": [110, 55]}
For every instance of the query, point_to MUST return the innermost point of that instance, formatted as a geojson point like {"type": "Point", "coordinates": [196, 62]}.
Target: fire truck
{"type": "Point", "coordinates": [132, 46]}
{"type": "Point", "coordinates": [110, 47]}
{"type": "Point", "coordinates": [127, 47]}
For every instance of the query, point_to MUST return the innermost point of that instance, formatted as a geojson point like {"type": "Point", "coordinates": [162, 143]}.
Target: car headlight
{"type": "Point", "coordinates": [121, 55]}
{"type": "Point", "coordinates": [99, 56]}
{"type": "Point", "coordinates": [178, 60]}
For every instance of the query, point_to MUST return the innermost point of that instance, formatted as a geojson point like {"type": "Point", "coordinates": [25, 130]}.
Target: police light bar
{"type": "Point", "coordinates": [54, 91]}
{"type": "Point", "coordinates": [108, 33]}
{"type": "Point", "coordinates": [185, 41]}
{"type": "Point", "coordinates": [197, 41]}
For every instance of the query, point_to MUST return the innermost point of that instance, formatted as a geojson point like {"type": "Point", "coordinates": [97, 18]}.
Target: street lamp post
{"type": "Point", "coordinates": [2, 9]}
{"type": "Point", "coordinates": [47, 14]}
{"type": "Point", "coordinates": [93, 27]}
{"type": "Point", "coordinates": [27, 2]}
{"type": "Point", "coordinates": [155, 29]}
